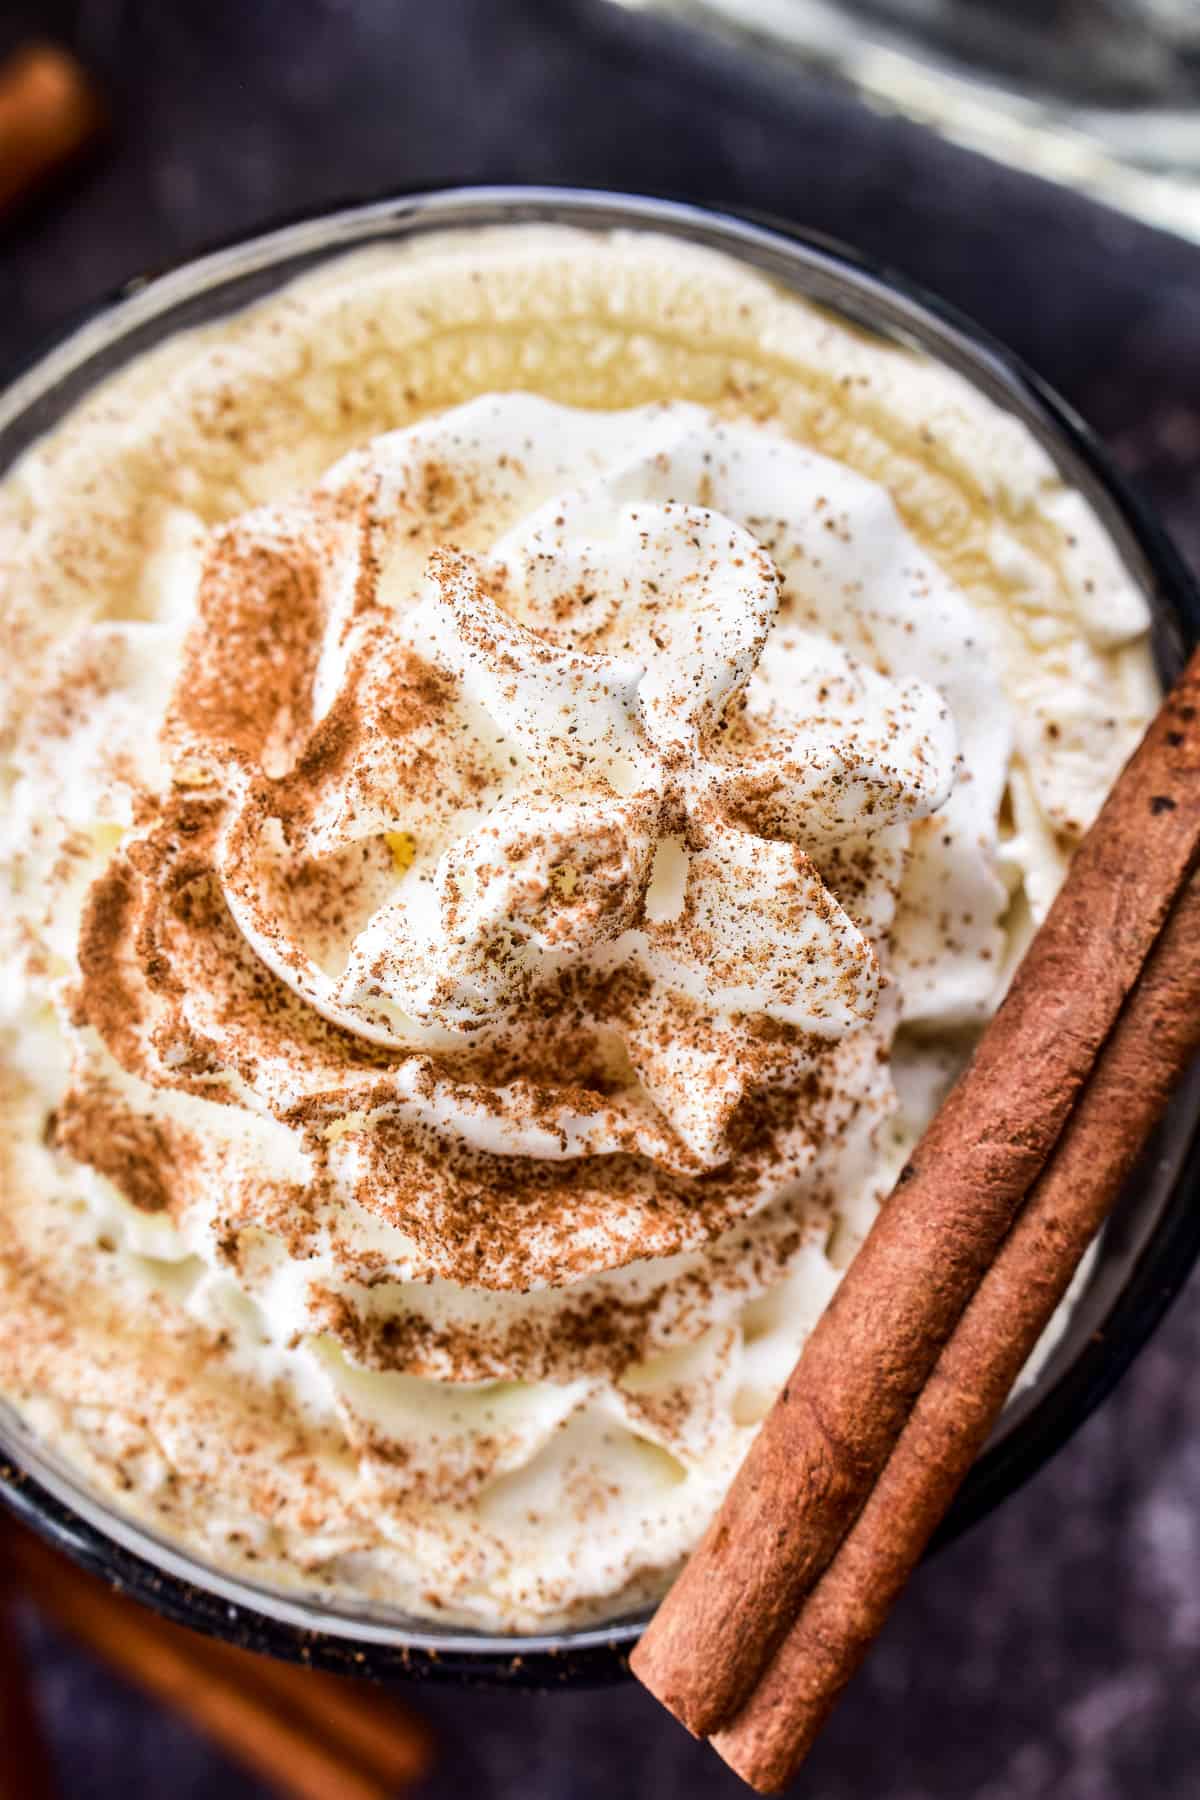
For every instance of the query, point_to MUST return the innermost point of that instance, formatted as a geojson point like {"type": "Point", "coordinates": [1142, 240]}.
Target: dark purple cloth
{"type": "Point", "coordinates": [1056, 1651]}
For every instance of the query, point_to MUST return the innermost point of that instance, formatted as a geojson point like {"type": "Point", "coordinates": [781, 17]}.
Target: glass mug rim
{"type": "Point", "coordinates": [1152, 1264]}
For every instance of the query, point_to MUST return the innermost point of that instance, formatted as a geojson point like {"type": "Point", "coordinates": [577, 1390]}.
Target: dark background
{"type": "Point", "coordinates": [1055, 1651]}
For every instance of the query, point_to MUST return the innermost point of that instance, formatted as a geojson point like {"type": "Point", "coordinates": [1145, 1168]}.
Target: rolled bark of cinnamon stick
{"type": "Point", "coordinates": [825, 1442]}
{"type": "Point", "coordinates": [1152, 1045]}
{"type": "Point", "coordinates": [50, 112]}
{"type": "Point", "coordinates": [312, 1736]}
{"type": "Point", "coordinates": [24, 1761]}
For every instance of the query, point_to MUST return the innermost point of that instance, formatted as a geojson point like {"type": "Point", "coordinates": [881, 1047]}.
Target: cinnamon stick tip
{"type": "Point", "coordinates": [659, 1671]}
{"type": "Point", "coordinates": [766, 1773]}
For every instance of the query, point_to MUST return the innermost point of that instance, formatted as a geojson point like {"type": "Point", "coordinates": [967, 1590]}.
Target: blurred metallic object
{"type": "Point", "coordinates": [1102, 95]}
{"type": "Point", "coordinates": [50, 113]}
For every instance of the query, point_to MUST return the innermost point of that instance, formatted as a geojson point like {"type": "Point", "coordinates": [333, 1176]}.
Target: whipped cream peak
{"type": "Point", "coordinates": [574, 716]}
{"type": "Point", "coordinates": [598, 718]}
{"type": "Point", "coordinates": [683, 588]}
{"type": "Point", "coordinates": [876, 753]}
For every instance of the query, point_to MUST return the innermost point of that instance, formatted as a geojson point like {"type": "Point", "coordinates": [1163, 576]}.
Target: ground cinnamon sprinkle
{"type": "Point", "coordinates": [138, 1155]}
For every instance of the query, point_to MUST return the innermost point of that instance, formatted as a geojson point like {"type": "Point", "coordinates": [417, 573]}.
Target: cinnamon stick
{"type": "Point", "coordinates": [1152, 1045]}
{"type": "Point", "coordinates": [825, 1442]}
{"type": "Point", "coordinates": [311, 1735]}
{"type": "Point", "coordinates": [49, 112]}
{"type": "Point", "coordinates": [24, 1762]}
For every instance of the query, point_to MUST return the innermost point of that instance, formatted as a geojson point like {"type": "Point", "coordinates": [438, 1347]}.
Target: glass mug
{"type": "Point", "coordinates": [1154, 1237]}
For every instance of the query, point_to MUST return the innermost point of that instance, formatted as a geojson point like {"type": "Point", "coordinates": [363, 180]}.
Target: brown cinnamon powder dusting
{"type": "Point", "coordinates": [138, 1153]}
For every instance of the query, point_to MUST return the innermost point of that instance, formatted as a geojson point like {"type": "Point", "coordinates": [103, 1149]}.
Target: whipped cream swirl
{"type": "Point", "coordinates": [497, 848]}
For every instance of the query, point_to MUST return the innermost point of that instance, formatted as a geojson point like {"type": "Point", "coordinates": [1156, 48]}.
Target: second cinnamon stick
{"type": "Point", "coordinates": [312, 1736]}
{"type": "Point", "coordinates": [50, 112]}
{"type": "Point", "coordinates": [25, 1772]}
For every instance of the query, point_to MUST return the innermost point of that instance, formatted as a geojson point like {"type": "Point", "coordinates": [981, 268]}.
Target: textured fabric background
{"type": "Point", "coordinates": [1055, 1651]}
